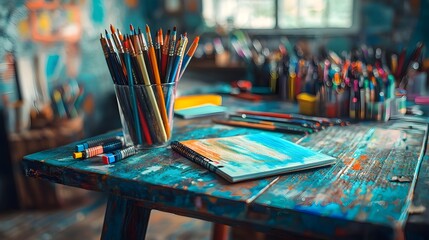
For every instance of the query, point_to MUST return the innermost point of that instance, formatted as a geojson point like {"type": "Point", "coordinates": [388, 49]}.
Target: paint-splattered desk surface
{"type": "Point", "coordinates": [367, 193]}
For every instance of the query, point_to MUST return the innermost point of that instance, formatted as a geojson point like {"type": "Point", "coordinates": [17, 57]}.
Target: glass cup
{"type": "Point", "coordinates": [146, 113]}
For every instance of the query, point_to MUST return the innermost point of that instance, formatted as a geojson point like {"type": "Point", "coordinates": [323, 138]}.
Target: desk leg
{"type": "Point", "coordinates": [124, 219]}
{"type": "Point", "coordinates": [220, 232]}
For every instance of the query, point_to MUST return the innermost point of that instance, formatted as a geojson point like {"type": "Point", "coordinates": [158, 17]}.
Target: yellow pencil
{"type": "Point", "coordinates": [146, 80]}
{"type": "Point", "coordinates": [158, 83]}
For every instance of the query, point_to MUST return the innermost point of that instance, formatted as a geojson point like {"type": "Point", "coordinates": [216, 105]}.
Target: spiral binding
{"type": "Point", "coordinates": [193, 156]}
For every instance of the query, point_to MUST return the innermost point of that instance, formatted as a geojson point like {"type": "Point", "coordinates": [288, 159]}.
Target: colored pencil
{"type": "Point", "coordinates": [119, 47]}
{"type": "Point", "coordinates": [164, 55]}
{"type": "Point", "coordinates": [187, 58]}
{"type": "Point", "coordinates": [161, 99]}
{"type": "Point", "coordinates": [178, 59]}
{"type": "Point", "coordinates": [106, 51]}
{"type": "Point", "coordinates": [171, 51]}
{"type": "Point", "coordinates": [298, 122]}
{"type": "Point", "coordinates": [321, 120]}
{"type": "Point", "coordinates": [158, 47]}
{"type": "Point", "coordinates": [275, 124]}
{"type": "Point", "coordinates": [132, 93]}
{"type": "Point", "coordinates": [283, 129]}
{"type": "Point", "coordinates": [146, 57]}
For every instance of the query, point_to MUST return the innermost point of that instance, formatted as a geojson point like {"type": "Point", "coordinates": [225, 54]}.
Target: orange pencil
{"type": "Point", "coordinates": [158, 83]}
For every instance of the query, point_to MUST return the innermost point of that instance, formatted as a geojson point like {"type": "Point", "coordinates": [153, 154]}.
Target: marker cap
{"type": "Point", "coordinates": [77, 155]}
{"type": "Point", "coordinates": [108, 158]}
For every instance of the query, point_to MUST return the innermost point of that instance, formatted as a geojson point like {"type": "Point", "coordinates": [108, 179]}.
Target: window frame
{"type": "Point", "coordinates": [355, 27]}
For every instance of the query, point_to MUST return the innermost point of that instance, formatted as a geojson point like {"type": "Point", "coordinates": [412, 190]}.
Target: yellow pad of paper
{"type": "Point", "coordinates": [196, 100]}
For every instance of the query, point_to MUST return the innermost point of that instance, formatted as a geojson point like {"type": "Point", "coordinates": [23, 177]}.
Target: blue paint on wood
{"type": "Point", "coordinates": [352, 199]}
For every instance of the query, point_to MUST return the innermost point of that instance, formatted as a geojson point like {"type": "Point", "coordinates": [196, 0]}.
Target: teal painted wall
{"type": "Point", "coordinates": [391, 24]}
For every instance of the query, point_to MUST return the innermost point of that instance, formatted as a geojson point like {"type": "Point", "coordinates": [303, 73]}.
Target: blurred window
{"type": "Point", "coordinates": [280, 14]}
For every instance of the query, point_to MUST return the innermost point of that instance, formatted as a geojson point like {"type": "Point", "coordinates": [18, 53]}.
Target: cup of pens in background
{"type": "Point", "coordinates": [145, 77]}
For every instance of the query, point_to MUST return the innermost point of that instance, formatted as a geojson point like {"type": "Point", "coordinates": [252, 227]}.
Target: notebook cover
{"type": "Point", "coordinates": [253, 156]}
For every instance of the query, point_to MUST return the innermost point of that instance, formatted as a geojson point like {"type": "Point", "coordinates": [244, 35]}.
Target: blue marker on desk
{"type": "Point", "coordinates": [117, 155]}
{"type": "Point", "coordinates": [95, 142]}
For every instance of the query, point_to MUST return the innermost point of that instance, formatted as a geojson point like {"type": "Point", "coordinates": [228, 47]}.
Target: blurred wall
{"type": "Point", "coordinates": [392, 24]}
{"type": "Point", "coordinates": [64, 59]}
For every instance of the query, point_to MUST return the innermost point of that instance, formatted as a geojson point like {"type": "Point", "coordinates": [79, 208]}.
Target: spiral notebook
{"type": "Point", "coordinates": [252, 156]}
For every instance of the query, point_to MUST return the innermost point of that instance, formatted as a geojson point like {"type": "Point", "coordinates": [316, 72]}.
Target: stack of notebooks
{"type": "Point", "coordinates": [248, 157]}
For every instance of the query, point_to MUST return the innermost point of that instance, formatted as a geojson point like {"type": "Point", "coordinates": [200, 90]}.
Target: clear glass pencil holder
{"type": "Point", "coordinates": [146, 113]}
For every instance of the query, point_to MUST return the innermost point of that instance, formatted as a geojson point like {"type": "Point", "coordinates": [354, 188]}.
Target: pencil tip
{"type": "Point", "coordinates": [147, 28]}
{"type": "Point", "coordinates": [112, 28]}
{"type": "Point", "coordinates": [174, 28]}
{"type": "Point", "coordinates": [131, 27]}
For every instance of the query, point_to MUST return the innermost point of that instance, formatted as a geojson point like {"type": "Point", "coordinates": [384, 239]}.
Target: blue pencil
{"type": "Point", "coordinates": [178, 59]}
{"type": "Point", "coordinates": [170, 59]}
{"type": "Point", "coordinates": [132, 93]}
{"type": "Point", "coordinates": [187, 58]}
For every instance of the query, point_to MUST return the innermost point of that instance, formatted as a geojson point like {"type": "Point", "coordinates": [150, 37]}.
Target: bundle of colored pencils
{"type": "Point", "coordinates": [144, 74]}
{"type": "Point", "coordinates": [152, 62]}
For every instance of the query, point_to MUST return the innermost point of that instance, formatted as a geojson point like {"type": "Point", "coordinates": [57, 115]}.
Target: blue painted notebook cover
{"type": "Point", "coordinates": [253, 156]}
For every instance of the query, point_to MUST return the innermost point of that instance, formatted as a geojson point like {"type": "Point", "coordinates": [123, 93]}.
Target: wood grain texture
{"type": "Point", "coordinates": [355, 197]}
{"type": "Point", "coordinates": [352, 199]}
{"type": "Point", "coordinates": [418, 221]}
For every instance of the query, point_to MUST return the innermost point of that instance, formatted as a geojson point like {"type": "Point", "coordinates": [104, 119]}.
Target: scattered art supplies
{"type": "Point", "coordinates": [111, 149]}
{"type": "Point", "coordinates": [204, 110]}
{"type": "Point", "coordinates": [248, 157]}
{"type": "Point", "coordinates": [279, 122]}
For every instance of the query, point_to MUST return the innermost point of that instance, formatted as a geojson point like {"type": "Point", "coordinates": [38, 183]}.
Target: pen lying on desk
{"type": "Point", "coordinates": [296, 122]}
{"type": "Point", "coordinates": [321, 120]}
{"type": "Point", "coordinates": [272, 127]}
{"type": "Point", "coordinates": [96, 142]}
{"type": "Point", "coordinates": [117, 155]}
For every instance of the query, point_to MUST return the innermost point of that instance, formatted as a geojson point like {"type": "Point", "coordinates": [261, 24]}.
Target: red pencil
{"type": "Point", "coordinates": [164, 55]}
{"type": "Point", "coordinates": [145, 127]}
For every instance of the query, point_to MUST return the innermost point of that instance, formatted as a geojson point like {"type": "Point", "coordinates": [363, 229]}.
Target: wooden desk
{"type": "Point", "coordinates": [353, 199]}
